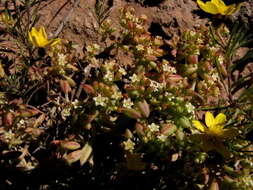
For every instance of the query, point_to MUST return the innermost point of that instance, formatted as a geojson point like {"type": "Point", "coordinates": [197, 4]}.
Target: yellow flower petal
{"type": "Point", "coordinates": [231, 9]}
{"type": "Point", "coordinates": [39, 38]}
{"type": "Point", "coordinates": [43, 32]}
{"type": "Point", "coordinates": [220, 119]}
{"type": "Point", "coordinates": [198, 125]}
{"type": "Point", "coordinates": [34, 41]}
{"type": "Point", "coordinates": [216, 130]}
{"type": "Point", "coordinates": [208, 7]}
{"type": "Point", "coordinates": [218, 7]}
{"type": "Point", "coordinates": [53, 42]}
{"type": "Point", "coordinates": [209, 119]}
{"type": "Point", "coordinates": [219, 3]}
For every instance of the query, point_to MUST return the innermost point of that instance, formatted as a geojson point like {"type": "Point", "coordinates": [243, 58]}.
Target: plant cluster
{"type": "Point", "coordinates": [129, 108]}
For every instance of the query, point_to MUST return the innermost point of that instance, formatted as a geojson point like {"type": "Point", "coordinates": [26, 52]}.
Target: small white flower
{"type": "Point", "coordinates": [66, 112]}
{"type": "Point", "coordinates": [150, 51]}
{"type": "Point", "coordinates": [116, 95]}
{"type": "Point", "coordinates": [221, 59]}
{"type": "Point", "coordinates": [153, 127]}
{"type": "Point", "coordinates": [169, 96]}
{"type": "Point", "coordinates": [61, 59]}
{"type": "Point", "coordinates": [122, 71]}
{"type": "Point", "coordinates": [162, 137]}
{"type": "Point", "coordinates": [76, 104]}
{"type": "Point", "coordinates": [134, 78]}
{"type": "Point", "coordinates": [9, 135]}
{"type": "Point", "coordinates": [168, 68]}
{"type": "Point", "coordinates": [200, 41]}
{"type": "Point", "coordinates": [22, 122]}
{"type": "Point", "coordinates": [127, 103]}
{"type": "Point", "coordinates": [139, 27]}
{"type": "Point", "coordinates": [129, 145]}
{"type": "Point", "coordinates": [109, 76]}
{"type": "Point", "coordinates": [100, 100]}
{"type": "Point", "coordinates": [190, 108]}
{"type": "Point", "coordinates": [215, 76]}
{"type": "Point", "coordinates": [110, 65]}
{"type": "Point", "coordinates": [156, 85]}
{"type": "Point", "coordinates": [93, 49]}
{"type": "Point", "coordinates": [140, 47]}
{"type": "Point", "coordinates": [129, 15]}
{"type": "Point", "coordinates": [192, 33]}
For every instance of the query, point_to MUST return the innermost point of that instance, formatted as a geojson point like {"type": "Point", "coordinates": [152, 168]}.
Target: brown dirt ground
{"type": "Point", "coordinates": [167, 17]}
{"type": "Point", "coordinates": [164, 18]}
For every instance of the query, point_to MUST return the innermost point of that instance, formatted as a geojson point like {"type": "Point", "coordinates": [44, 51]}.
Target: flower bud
{"type": "Point", "coordinates": [144, 108]}
{"type": "Point", "coordinates": [8, 119]}
{"type": "Point", "coordinates": [168, 129]}
{"type": "Point", "coordinates": [139, 129]}
{"type": "Point", "coordinates": [65, 87]}
{"type": "Point", "coordinates": [128, 134]}
{"type": "Point", "coordinates": [193, 59]}
{"type": "Point", "coordinates": [184, 122]}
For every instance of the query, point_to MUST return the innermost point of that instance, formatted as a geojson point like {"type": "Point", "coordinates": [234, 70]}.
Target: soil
{"type": "Point", "coordinates": [165, 17]}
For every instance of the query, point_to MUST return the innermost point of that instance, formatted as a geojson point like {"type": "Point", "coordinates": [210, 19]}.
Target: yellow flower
{"type": "Point", "coordinates": [218, 7]}
{"type": "Point", "coordinates": [214, 126]}
{"type": "Point", "coordinates": [39, 38]}
{"type": "Point", "coordinates": [213, 133]}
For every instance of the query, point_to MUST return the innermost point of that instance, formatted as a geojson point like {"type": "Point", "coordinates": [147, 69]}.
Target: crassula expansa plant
{"type": "Point", "coordinates": [136, 105]}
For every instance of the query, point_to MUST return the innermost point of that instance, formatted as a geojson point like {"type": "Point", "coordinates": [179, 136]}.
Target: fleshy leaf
{"type": "Point", "coordinates": [85, 154]}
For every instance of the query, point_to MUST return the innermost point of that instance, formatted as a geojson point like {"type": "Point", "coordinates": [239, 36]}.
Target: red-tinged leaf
{"type": "Point", "coordinates": [65, 87]}
{"type": "Point", "coordinates": [168, 129]}
{"type": "Point", "coordinates": [73, 156]}
{"type": "Point", "coordinates": [8, 119]}
{"type": "Point", "coordinates": [70, 145]}
{"type": "Point", "coordinates": [88, 89]}
{"type": "Point", "coordinates": [144, 108]}
{"type": "Point", "coordinates": [193, 59]}
{"type": "Point", "coordinates": [139, 129]}
{"type": "Point", "coordinates": [131, 113]}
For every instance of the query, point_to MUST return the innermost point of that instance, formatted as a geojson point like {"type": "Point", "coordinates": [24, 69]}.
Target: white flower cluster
{"type": "Point", "coordinates": [129, 145]}
{"type": "Point", "coordinates": [134, 78]}
{"type": "Point", "coordinates": [100, 100]}
{"type": "Point", "coordinates": [156, 85]}
{"type": "Point", "coordinates": [190, 108]}
{"type": "Point", "coordinates": [127, 103]}
{"type": "Point", "coordinates": [62, 59]}
{"type": "Point", "coordinates": [169, 69]}
{"type": "Point", "coordinates": [153, 127]}
{"type": "Point", "coordinates": [93, 49]}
